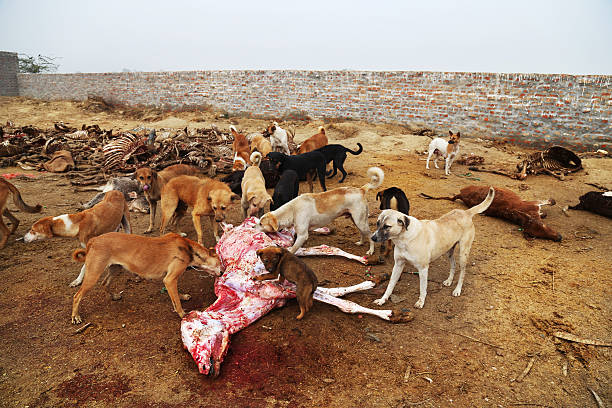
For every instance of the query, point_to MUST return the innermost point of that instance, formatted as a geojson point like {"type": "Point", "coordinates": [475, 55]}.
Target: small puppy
{"type": "Point", "coordinates": [205, 196]}
{"type": "Point", "coordinates": [319, 209]}
{"type": "Point", "coordinates": [393, 198]}
{"type": "Point", "coordinates": [308, 166]}
{"type": "Point", "coordinates": [164, 257]}
{"type": "Point", "coordinates": [7, 189]}
{"type": "Point", "coordinates": [254, 194]}
{"type": "Point", "coordinates": [286, 190]}
{"type": "Point", "coordinates": [314, 142]}
{"type": "Point", "coordinates": [421, 242]}
{"type": "Point", "coordinates": [336, 153]}
{"type": "Point", "coordinates": [449, 150]}
{"type": "Point", "coordinates": [261, 145]}
{"type": "Point", "coordinates": [283, 264]}
{"type": "Point", "coordinates": [241, 150]}
{"type": "Point", "coordinates": [278, 139]}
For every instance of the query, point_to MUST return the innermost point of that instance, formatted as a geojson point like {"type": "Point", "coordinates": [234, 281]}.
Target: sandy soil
{"type": "Point", "coordinates": [457, 352]}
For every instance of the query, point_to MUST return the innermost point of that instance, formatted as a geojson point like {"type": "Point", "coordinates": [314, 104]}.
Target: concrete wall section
{"type": "Point", "coordinates": [9, 66]}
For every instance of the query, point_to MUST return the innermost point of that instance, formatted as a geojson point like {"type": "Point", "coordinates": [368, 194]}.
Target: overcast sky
{"type": "Point", "coordinates": [545, 36]}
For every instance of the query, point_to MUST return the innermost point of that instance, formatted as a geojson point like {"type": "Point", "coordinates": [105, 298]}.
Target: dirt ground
{"type": "Point", "coordinates": [467, 351]}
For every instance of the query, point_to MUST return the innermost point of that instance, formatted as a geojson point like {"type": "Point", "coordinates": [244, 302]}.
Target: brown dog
{"type": "Point", "coordinates": [149, 257]}
{"type": "Point", "coordinates": [152, 183]}
{"type": "Point", "coordinates": [284, 265]}
{"type": "Point", "coordinates": [254, 194]}
{"type": "Point", "coordinates": [241, 150]}
{"type": "Point", "coordinates": [205, 196]}
{"type": "Point", "coordinates": [261, 144]}
{"type": "Point", "coordinates": [6, 189]}
{"type": "Point", "coordinates": [314, 142]}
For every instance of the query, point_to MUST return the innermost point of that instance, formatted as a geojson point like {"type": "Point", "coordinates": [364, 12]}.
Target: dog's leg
{"type": "Point", "coordinates": [341, 168]}
{"type": "Point", "coordinates": [106, 280]}
{"type": "Point", "coordinates": [398, 268]}
{"type": "Point", "coordinates": [175, 270]}
{"type": "Point", "coordinates": [423, 273]}
{"type": "Point", "coordinates": [309, 179]}
{"type": "Point", "coordinates": [152, 211]}
{"type": "Point", "coordinates": [215, 228]}
{"type": "Point", "coordinates": [360, 219]}
{"type": "Point", "coordinates": [301, 237]}
{"type": "Point", "coordinates": [197, 224]}
{"type": "Point", "coordinates": [93, 271]}
{"type": "Point", "coordinates": [451, 258]}
{"type": "Point", "coordinates": [11, 217]}
{"type": "Point", "coordinates": [4, 233]}
{"type": "Point", "coordinates": [79, 279]}
{"type": "Point", "coordinates": [464, 251]}
{"type": "Point", "coordinates": [428, 157]}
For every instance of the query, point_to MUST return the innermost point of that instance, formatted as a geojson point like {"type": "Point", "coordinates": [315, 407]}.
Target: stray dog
{"type": "Point", "coordinates": [106, 216]}
{"type": "Point", "coordinates": [164, 257]}
{"type": "Point", "coordinates": [319, 209]}
{"type": "Point", "coordinates": [234, 180]}
{"type": "Point", "coordinates": [283, 264]}
{"type": "Point", "coordinates": [7, 188]}
{"type": "Point", "coordinates": [314, 142]}
{"type": "Point", "coordinates": [307, 165]}
{"type": "Point", "coordinates": [153, 182]}
{"type": "Point", "coordinates": [393, 198]}
{"type": "Point", "coordinates": [286, 190]}
{"type": "Point", "coordinates": [261, 145]}
{"type": "Point", "coordinates": [241, 150]}
{"type": "Point", "coordinates": [128, 186]}
{"type": "Point", "coordinates": [205, 196]}
{"type": "Point", "coordinates": [278, 139]}
{"type": "Point", "coordinates": [337, 154]}
{"type": "Point", "coordinates": [449, 150]}
{"type": "Point", "coordinates": [595, 202]}
{"type": "Point", "coordinates": [254, 194]}
{"type": "Point", "coordinates": [420, 242]}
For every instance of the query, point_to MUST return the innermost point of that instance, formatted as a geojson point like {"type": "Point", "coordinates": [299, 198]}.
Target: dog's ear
{"type": "Point", "coordinates": [458, 134]}
{"type": "Point", "coordinates": [450, 132]}
{"type": "Point", "coordinates": [404, 222]}
{"type": "Point", "coordinates": [234, 197]}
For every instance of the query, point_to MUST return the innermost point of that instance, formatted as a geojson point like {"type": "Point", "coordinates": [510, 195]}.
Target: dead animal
{"type": "Point", "coordinates": [128, 186]}
{"type": "Point", "coordinates": [595, 202]}
{"type": "Point", "coordinates": [556, 161]}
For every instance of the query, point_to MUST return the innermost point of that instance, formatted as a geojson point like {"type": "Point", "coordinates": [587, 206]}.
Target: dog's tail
{"type": "Point", "coordinates": [355, 152]}
{"type": "Point", "coordinates": [482, 207]}
{"type": "Point", "coordinates": [321, 129]}
{"type": "Point", "coordinates": [256, 158]}
{"type": "Point", "coordinates": [79, 255]}
{"type": "Point", "coordinates": [19, 203]}
{"type": "Point", "coordinates": [376, 178]}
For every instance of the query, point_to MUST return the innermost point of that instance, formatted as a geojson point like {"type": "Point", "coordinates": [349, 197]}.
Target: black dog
{"type": "Point", "coordinates": [307, 165]}
{"type": "Point", "coordinates": [269, 171]}
{"type": "Point", "coordinates": [393, 198]}
{"type": "Point", "coordinates": [595, 202]}
{"type": "Point", "coordinates": [234, 181]}
{"type": "Point", "coordinates": [337, 153]}
{"type": "Point", "coordinates": [286, 190]}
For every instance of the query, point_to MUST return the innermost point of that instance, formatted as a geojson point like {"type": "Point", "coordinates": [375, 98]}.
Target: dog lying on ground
{"type": "Point", "coordinates": [261, 145]}
{"type": "Point", "coordinates": [336, 154]}
{"type": "Point", "coordinates": [254, 194]}
{"type": "Point", "coordinates": [241, 150]}
{"type": "Point", "coordinates": [392, 198]}
{"type": "Point", "coordinates": [287, 189]}
{"type": "Point", "coordinates": [153, 182]}
{"type": "Point", "coordinates": [308, 165]}
{"type": "Point", "coordinates": [313, 142]}
{"type": "Point", "coordinates": [449, 150]}
{"type": "Point", "coordinates": [421, 242]}
{"type": "Point", "coordinates": [509, 206]}
{"type": "Point", "coordinates": [205, 196]}
{"type": "Point", "coordinates": [319, 209]}
{"type": "Point", "coordinates": [7, 189]}
{"type": "Point", "coordinates": [164, 257]}
{"type": "Point", "coordinates": [128, 186]}
{"type": "Point", "coordinates": [283, 264]}
{"type": "Point", "coordinates": [595, 202]}
{"type": "Point", "coordinates": [278, 139]}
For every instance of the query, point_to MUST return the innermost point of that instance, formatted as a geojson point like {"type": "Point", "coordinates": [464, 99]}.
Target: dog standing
{"type": "Point", "coordinates": [287, 189]}
{"type": "Point", "coordinates": [314, 142]}
{"type": "Point", "coordinates": [319, 209]}
{"type": "Point", "coordinates": [278, 139]}
{"type": "Point", "coordinates": [6, 189]}
{"type": "Point", "coordinates": [283, 264]}
{"type": "Point", "coordinates": [336, 153]}
{"type": "Point", "coordinates": [261, 145]}
{"type": "Point", "coordinates": [449, 150]}
{"type": "Point", "coordinates": [420, 242]}
{"type": "Point", "coordinates": [254, 194]}
{"type": "Point", "coordinates": [241, 150]}
{"type": "Point", "coordinates": [164, 257]}
{"type": "Point", "coordinates": [393, 198]}
{"type": "Point", "coordinates": [308, 166]}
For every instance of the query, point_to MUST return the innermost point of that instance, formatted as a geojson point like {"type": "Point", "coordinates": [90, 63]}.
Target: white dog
{"type": "Point", "coordinates": [449, 150]}
{"type": "Point", "coordinates": [423, 241]}
{"type": "Point", "coordinates": [278, 139]}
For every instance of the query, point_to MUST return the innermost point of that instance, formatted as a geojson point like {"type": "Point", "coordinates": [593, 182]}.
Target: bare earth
{"type": "Point", "coordinates": [457, 352]}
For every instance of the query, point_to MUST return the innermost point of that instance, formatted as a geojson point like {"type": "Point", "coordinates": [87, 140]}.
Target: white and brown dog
{"type": "Point", "coordinates": [315, 210]}
{"type": "Point", "coordinates": [278, 139]}
{"type": "Point", "coordinates": [447, 149]}
{"type": "Point", "coordinates": [164, 257]}
{"type": "Point", "coordinates": [254, 194]}
{"type": "Point", "coordinates": [241, 150]}
{"type": "Point", "coordinates": [420, 242]}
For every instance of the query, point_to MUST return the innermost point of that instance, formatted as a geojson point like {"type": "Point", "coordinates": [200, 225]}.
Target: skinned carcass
{"type": "Point", "coordinates": [242, 300]}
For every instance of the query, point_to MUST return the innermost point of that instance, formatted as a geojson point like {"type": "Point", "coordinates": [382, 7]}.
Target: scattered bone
{"type": "Point", "coordinates": [571, 337]}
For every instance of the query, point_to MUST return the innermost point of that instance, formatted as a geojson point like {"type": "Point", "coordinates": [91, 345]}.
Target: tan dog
{"type": "Point", "coordinates": [283, 264]}
{"type": "Point", "coordinates": [421, 242]}
{"type": "Point", "coordinates": [241, 150]}
{"type": "Point", "coordinates": [153, 181]}
{"type": "Point", "coordinates": [313, 210]}
{"type": "Point", "coordinates": [314, 142]}
{"type": "Point", "coordinates": [164, 257]}
{"type": "Point", "coordinates": [449, 150]}
{"type": "Point", "coordinates": [261, 144]}
{"type": "Point", "coordinates": [7, 189]}
{"type": "Point", "coordinates": [106, 216]}
{"type": "Point", "coordinates": [254, 194]}
{"type": "Point", "coordinates": [205, 196]}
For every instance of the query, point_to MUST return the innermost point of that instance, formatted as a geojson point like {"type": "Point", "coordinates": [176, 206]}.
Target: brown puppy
{"type": "Point", "coordinates": [314, 142]}
{"type": "Point", "coordinates": [205, 196]}
{"type": "Point", "coordinates": [254, 194]}
{"type": "Point", "coordinates": [152, 183]}
{"type": "Point", "coordinates": [261, 144]}
{"type": "Point", "coordinates": [282, 263]}
{"type": "Point", "coordinates": [6, 189]}
{"type": "Point", "coordinates": [241, 150]}
{"type": "Point", "coordinates": [151, 258]}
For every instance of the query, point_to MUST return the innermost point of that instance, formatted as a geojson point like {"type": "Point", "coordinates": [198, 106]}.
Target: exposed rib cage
{"type": "Point", "coordinates": [554, 159]}
{"type": "Point", "coordinates": [121, 149]}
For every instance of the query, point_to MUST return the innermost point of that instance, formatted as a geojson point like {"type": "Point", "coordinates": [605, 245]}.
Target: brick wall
{"type": "Point", "coordinates": [8, 74]}
{"type": "Point", "coordinates": [530, 109]}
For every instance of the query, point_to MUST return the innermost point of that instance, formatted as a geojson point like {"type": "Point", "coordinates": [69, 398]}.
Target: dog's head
{"type": "Point", "coordinates": [145, 176]}
{"type": "Point", "coordinates": [202, 258]}
{"type": "Point", "coordinates": [277, 158]}
{"type": "Point", "coordinates": [42, 229]}
{"type": "Point", "coordinates": [257, 201]}
{"type": "Point", "coordinates": [454, 137]}
{"type": "Point", "coordinates": [380, 196]}
{"type": "Point", "coordinates": [268, 223]}
{"type": "Point", "coordinates": [270, 257]}
{"type": "Point", "coordinates": [219, 200]}
{"type": "Point", "coordinates": [269, 169]}
{"type": "Point", "coordinates": [389, 225]}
